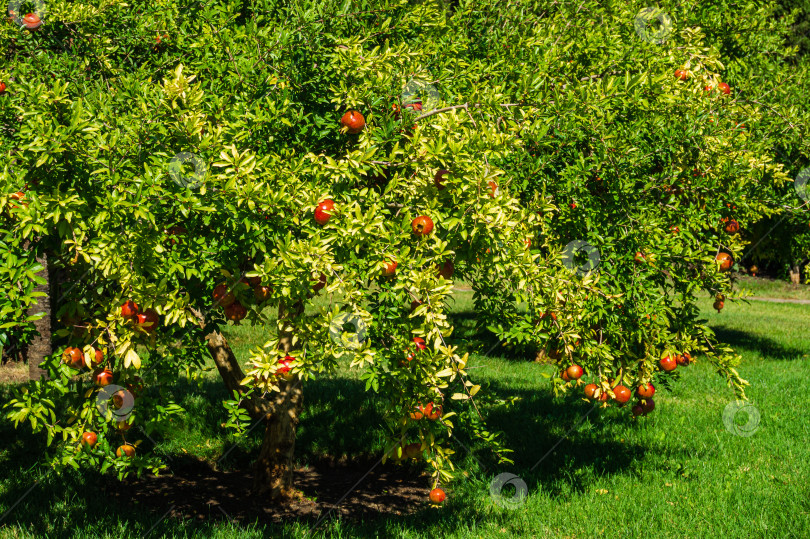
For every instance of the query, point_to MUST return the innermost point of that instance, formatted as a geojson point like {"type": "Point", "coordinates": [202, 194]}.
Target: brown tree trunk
{"type": "Point", "coordinates": [273, 469]}
{"type": "Point", "coordinates": [40, 345]}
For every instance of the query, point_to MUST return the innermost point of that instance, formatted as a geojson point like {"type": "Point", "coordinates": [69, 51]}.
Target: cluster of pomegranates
{"type": "Point", "coordinates": [234, 310]}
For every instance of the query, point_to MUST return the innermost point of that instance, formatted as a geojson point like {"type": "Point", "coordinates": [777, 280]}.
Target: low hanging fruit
{"type": "Point", "coordinates": [129, 309]}
{"type": "Point", "coordinates": [2, 87]}
{"type": "Point", "coordinates": [564, 375]}
{"type": "Point", "coordinates": [235, 312]}
{"type": "Point", "coordinates": [222, 296]}
{"type": "Point", "coordinates": [718, 305]}
{"type": "Point", "coordinates": [420, 343]}
{"type": "Point", "coordinates": [668, 363]}
{"type": "Point", "coordinates": [724, 261]}
{"type": "Point", "coordinates": [262, 293]}
{"type": "Point", "coordinates": [74, 357]}
{"type": "Point", "coordinates": [148, 320]}
{"type": "Point", "coordinates": [32, 21]}
{"type": "Point", "coordinates": [422, 225]}
{"type": "Point", "coordinates": [389, 269]}
{"type": "Point", "coordinates": [125, 450]}
{"type": "Point", "coordinates": [437, 496]}
{"type": "Point", "coordinates": [446, 269]}
{"type": "Point", "coordinates": [724, 88]}
{"type": "Point", "coordinates": [353, 121]}
{"type": "Point", "coordinates": [730, 225]}
{"type": "Point", "coordinates": [684, 359]}
{"type": "Point", "coordinates": [103, 377]}
{"type": "Point", "coordinates": [639, 258]}
{"type": "Point", "coordinates": [323, 211]}
{"type": "Point", "coordinates": [574, 372]}
{"type": "Point", "coordinates": [621, 394]}
{"type": "Point", "coordinates": [645, 391]}
{"type": "Point", "coordinates": [681, 74]}
{"type": "Point", "coordinates": [89, 439]}
{"type": "Point", "coordinates": [590, 390]}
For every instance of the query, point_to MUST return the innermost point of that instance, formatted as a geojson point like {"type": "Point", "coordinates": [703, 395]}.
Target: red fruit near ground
{"type": "Point", "coordinates": [645, 392]}
{"type": "Point", "coordinates": [684, 359]}
{"type": "Point", "coordinates": [564, 375]}
{"type": "Point", "coordinates": [724, 261]}
{"type": "Point", "coordinates": [574, 372]}
{"type": "Point", "coordinates": [235, 312]}
{"type": "Point", "coordinates": [320, 284]}
{"type": "Point", "coordinates": [103, 377]}
{"type": "Point", "coordinates": [433, 411]}
{"type": "Point", "coordinates": [731, 226]}
{"type": "Point", "coordinates": [389, 269]}
{"type": "Point", "coordinates": [648, 406]}
{"type": "Point", "coordinates": [725, 88]}
{"type": "Point", "coordinates": [89, 439]}
{"type": "Point", "coordinates": [681, 74]}
{"type": "Point", "coordinates": [285, 365]}
{"type": "Point", "coordinates": [668, 363]}
{"type": "Point", "coordinates": [420, 343]}
{"type": "Point", "coordinates": [622, 394]}
{"type": "Point", "coordinates": [148, 320]}
{"type": "Point", "coordinates": [98, 357]}
{"type": "Point", "coordinates": [353, 121]}
{"type": "Point", "coordinates": [74, 357]}
{"type": "Point", "coordinates": [2, 87]}
{"type": "Point", "coordinates": [323, 211]}
{"type": "Point", "coordinates": [603, 397]}
{"type": "Point", "coordinates": [718, 305]}
{"type": "Point", "coordinates": [125, 449]}
{"type": "Point", "coordinates": [261, 293]}
{"type": "Point", "coordinates": [129, 309]}
{"type": "Point", "coordinates": [437, 495]}
{"type": "Point", "coordinates": [590, 389]}
{"type": "Point", "coordinates": [222, 296]}
{"type": "Point", "coordinates": [32, 21]}
{"type": "Point", "coordinates": [422, 225]}
{"type": "Point", "coordinates": [439, 178]}
{"type": "Point", "coordinates": [637, 410]}
{"type": "Point", "coordinates": [417, 413]}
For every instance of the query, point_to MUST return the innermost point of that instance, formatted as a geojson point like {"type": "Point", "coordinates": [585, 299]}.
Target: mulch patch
{"type": "Point", "coordinates": [198, 492]}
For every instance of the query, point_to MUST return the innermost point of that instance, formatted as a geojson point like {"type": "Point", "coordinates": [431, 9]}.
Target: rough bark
{"type": "Point", "coordinates": [273, 469]}
{"type": "Point", "coordinates": [232, 374]}
{"type": "Point", "coordinates": [40, 345]}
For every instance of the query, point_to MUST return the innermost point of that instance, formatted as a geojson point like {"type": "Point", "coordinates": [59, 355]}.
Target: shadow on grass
{"type": "Point", "coordinates": [764, 346]}
{"type": "Point", "coordinates": [340, 420]}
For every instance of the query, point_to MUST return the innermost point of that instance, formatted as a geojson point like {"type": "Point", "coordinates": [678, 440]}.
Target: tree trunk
{"type": "Point", "coordinates": [795, 275]}
{"type": "Point", "coordinates": [40, 345]}
{"type": "Point", "coordinates": [273, 469]}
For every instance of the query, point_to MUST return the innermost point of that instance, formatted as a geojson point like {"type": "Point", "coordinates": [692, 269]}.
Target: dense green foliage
{"type": "Point", "coordinates": [557, 124]}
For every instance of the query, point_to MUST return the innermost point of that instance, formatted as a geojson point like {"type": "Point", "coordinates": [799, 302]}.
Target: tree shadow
{"type": "Point", "coordinates": [764, 346]}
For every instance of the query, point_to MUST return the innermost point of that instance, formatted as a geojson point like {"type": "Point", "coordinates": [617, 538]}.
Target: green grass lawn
{"type": "Point", "coordinates": [676, 473]}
